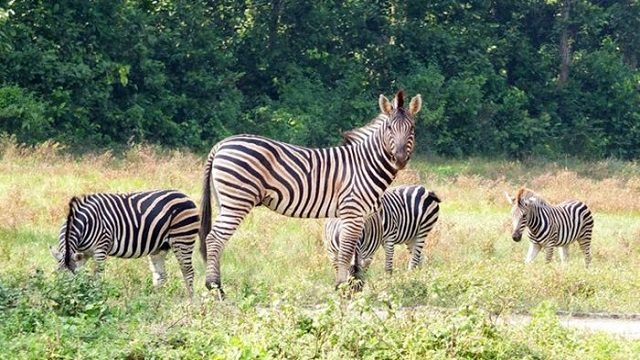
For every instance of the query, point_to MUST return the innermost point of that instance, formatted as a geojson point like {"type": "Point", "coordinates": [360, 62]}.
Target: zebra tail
{"type": "Point", "coordinates": [67, 232]}
{"type": "Point", "coordinates": [205, 206]}
{"type": "Point", "coordinates": [435, 197]}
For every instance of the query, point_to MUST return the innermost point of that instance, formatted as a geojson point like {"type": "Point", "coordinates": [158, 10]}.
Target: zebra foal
{"type": "Point", "coordinates": [407, 215]}
{"type": "Point", "coordinates": [246, 171]}
{"type": "Point", "coordinates": [130, 226]}
{"type": "Point", "coordinates": [551, 226]}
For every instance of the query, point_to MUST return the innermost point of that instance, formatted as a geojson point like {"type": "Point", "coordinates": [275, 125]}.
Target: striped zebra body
{"type": "Point", "coordinates": [245, 171]}
{"type": "Point", "coordinates": [130, 225]}
{"type": "Point", "coordinates": [551, 226]}
{"type": "Point", "coordinates": [407, 215]}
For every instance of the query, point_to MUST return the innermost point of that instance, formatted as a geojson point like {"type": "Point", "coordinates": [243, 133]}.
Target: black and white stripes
{"type": "Point", "coordinates": [346, 182]}
{"type": "Point", "coordinates": [407, 215]}
{"type": "Point", "coordinates": [130, 226]}
{"type": "Point", "coordinates": [551, 226]}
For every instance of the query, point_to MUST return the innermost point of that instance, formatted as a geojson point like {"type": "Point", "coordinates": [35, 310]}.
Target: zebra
{"type": "Point", "coordinates": [407, 215]}
{"type": "Point", "coordinates": [551, 226]}
{"type": "Point", "coordinates": [245, 171]}
{"type": "Point", "coordinates": [130, 225]}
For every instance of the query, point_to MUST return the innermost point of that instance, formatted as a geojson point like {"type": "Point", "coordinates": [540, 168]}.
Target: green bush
{"type": "Point", "coordinates": [22, 114]}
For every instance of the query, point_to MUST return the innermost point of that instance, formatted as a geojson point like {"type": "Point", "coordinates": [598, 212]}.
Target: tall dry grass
{"type": "Point", "coordinates": [37, 181]}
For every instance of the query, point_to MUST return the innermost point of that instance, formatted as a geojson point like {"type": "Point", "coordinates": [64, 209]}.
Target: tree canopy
{"type": "Point", "coordinates": [510, 77]}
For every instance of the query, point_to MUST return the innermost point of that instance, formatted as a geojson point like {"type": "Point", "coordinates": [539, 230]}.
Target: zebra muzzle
{"type": "Point", "coordinates": [516, 237]}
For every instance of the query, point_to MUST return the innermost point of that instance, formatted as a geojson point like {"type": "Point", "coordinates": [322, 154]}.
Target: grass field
{"type": "Point", "coordinates": [279, 283]}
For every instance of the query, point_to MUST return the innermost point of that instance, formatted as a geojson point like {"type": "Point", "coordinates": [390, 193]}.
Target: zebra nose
{"type": "Point", "coordinates": [401, 158]}
{"type": "Point", "coordinates": [516, 237]}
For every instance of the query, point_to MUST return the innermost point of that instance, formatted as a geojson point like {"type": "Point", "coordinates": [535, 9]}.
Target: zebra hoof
{"type": "Point", "coordinates": [218, 291]}
{"type": "Point", "coordinates": [216, 285]}
{"type": "Point", "coordinates": [356, 285]}
{"type": "Point", "coordinates": [221, 294]}
{"type": "Point", "coordinates": [341, 285]}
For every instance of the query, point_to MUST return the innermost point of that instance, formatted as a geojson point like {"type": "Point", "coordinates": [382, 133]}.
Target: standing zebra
{"type": "Point", "coordinates": [551, 225]}
{"type": "Point", "coordinates": [407, 215]}
{"type": "Point", "coordinates": [130, 226]}
{"type": "Point", "coordinates": [245, 171]}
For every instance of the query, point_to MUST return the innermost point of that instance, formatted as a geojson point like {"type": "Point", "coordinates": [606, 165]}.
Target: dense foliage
{"type": "Point", "coordinates": [188, 73]}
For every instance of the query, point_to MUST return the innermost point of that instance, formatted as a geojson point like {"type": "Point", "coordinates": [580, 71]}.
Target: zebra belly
{"type": "Point", "coordinates": [136, 246]}
{"type": "Point", "coordinates": [301, 207]}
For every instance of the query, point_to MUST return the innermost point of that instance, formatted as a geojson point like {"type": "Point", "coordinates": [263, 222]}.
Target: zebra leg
{"type": "Point", "coordinates": [357, 276]}
{"type": "Point", "coordinates": [564, 254]}
{"type": "Point", "coordinates": [183, 249]}
{"type": "Point", "coordinates": [366, 263]}
{"type": "Point", "coordinates": [388, 257]}
{"type": "Point", "coordinates": [156, 264]}
{"type": "Point", "coordinates": [416, 253]}
{"type": "Point", "coordinates": [534, 249]}
{"type": "Point", "coordinates": [349, 235]}
{"type": "Point", "coordinates": [223, 228]}
{"type": "Point", "coordinates": [548, 256]}
{"type": "Point", "coordinates": [585, 246]}
{"type": "Point", "coordinates": [99, 258]}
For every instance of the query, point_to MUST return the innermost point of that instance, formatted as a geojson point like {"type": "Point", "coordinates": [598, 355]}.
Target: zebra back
{"type": "Point", "coordinates": [359, 135]}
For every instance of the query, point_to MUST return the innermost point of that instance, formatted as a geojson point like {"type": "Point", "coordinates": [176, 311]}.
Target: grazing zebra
{"type": "Point", "coordinates": [407, 215]}
{"type": "Point", "coordinates": [130, 226]}
{"type": "Point", "coordinates": [551, 226]}
{"type": "Point", "coordinates": [245, 171]}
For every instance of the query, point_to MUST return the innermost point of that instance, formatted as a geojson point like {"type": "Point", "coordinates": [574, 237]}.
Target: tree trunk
{"type": "Point", "coordinates": [565, 43]}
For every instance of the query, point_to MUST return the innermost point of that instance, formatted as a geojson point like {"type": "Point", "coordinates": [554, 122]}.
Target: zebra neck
{"type": "Point", "coordinates": [380, 161]}
{"type": "Point", "coordinates": [536, 223]}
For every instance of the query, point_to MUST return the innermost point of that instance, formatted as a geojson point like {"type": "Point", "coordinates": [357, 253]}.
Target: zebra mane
{"type": "Point", "coordinates": [525, 194]}
{"type": "Point", "coordinates": [67, 233]}
{"type": "Point", "coordinates": [399, 99]}
{"type": "Point", "coordinates": [358, 135]}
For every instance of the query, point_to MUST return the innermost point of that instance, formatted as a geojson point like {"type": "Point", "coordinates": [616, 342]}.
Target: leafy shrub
{"type": "Point", "coordinates": [79, 295]}
{"type": "Point", "coordinates": [24, 115]}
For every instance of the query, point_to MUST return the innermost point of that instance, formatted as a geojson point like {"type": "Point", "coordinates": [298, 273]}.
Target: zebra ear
{"type": "Point", "coordinates": [415, 105]}
{"type": "Point", "coordinates": [385, 105]}
{"type": "Point", "coordinates": [55, 253]}
{"type": "Point", "coordinates": [510, 199]}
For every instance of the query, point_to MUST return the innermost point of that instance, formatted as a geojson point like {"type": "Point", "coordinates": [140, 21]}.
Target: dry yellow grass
{"type": "Point", "coordinates": [38, 181]}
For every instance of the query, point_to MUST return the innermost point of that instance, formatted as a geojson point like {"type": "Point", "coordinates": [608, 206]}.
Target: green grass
{"type": "Point", "coordinates": [280, 297]}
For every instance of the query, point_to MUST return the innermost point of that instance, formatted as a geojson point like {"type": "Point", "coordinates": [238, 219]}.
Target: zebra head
{"type": "Point", "coordinates": [66, 254]}
{"type": "Point", "coordinates": [520, 211]}
{"type": "Point", "coordinates": [399, 128]}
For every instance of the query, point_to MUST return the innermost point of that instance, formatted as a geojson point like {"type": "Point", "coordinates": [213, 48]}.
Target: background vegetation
{"type": "Point", "coordinates": [508, 79]}
{"type": "Point", "coordinates": [511, 77]}
{"type": "Point", "coordinates": [279, 282]}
